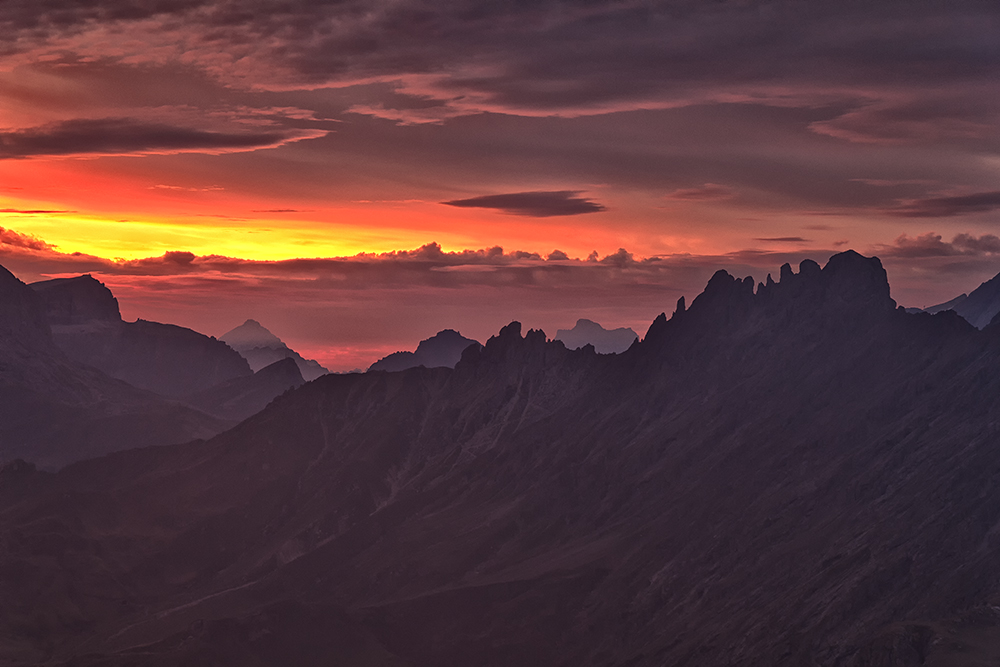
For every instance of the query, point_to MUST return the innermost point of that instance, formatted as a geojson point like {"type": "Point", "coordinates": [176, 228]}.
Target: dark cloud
{"type": "Point", "coordinates": [533, 204]}
{"type": "Point", "coordinates": [933, 245]}
{"type": "Point", "coordinates": [705, 192]}
{"type": "Point", "coordinates": [21, 211]}
{"type": "Point", "coordinates": [109, 136]}
{"type": "Point", "coordinates": [784, 239]}
{"type": "Point", "coordinates": [944, 207]}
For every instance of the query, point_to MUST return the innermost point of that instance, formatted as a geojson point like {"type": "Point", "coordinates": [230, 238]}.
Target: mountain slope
{"type": "Point", "coordinates": [442, 350]}
{"type": "Point", "coordinates": [979, 307]}
{"type": "Point", "coordinates": [54, 410]}
{"type": "Point", "coordinates": [170, 360]}
{"type": "Point", "coordinates": [262, 348]}
{"type": "Point", "coordinates": [239, 398]}
{"type": "Point", "coordinates": [795, 474]}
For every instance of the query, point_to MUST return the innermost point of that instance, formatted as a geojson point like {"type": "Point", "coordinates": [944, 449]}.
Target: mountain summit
{"type": "Point", "coordinates": [261, 348]}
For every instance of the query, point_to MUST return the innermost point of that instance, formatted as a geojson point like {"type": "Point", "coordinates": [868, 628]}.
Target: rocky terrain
{"type": "Point", "coordinates": [604, 341]}
{"type": "Point", "coordinates": [442, 350]}
{"type": "Point", "coordinates": [262, 348]}
{"type": "Point", "coordinates": [790, 473]}
{"type": "Point", "coordinates": [170, 360]}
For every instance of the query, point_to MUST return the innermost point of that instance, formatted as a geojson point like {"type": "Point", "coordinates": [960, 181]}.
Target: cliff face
{"type": "Point", "coordinates": [169, 360]}
{"type": "Point", "coordinates": [793, 474]}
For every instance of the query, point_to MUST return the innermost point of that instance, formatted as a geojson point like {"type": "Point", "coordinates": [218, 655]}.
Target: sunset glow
{"type": "Point", "coordinates": [730, 135]}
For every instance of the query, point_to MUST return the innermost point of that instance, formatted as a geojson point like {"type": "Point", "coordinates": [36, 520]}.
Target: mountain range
{"type": "Point", "coordinates": [788, 473]}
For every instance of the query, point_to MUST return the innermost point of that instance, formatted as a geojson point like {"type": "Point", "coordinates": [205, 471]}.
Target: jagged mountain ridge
{"type": "Point", "coordinates": [262, 348]}
{"type": "Point", "coordinates": [774, 476]}
{"type": "Point", "coordinates": [54, 410]}
{"type": "Point", "coordinates": [169, 360]}
{"type": "Point", "coordinates": [442, 350]}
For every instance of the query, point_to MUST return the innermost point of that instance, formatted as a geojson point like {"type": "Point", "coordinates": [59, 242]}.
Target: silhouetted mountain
{"type": "Point", "coordinates": [54, 410]}
{"type": "Point", "coordinates": [797, 474]}
{"type": "Point", "coordinates": [262, 348]}
{"type": "Point", "coordinates": [77, 301]}
{"type": "Point", "coordinates": [442, 350]}
{"type": "Point", "coordinates": [605, 341]}
{"type": "Point", "coordinates": [241, 397]}
{"type": "Point", "coordinates": [170, 360]}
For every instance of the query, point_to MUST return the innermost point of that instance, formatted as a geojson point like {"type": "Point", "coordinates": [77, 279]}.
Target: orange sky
{"type": "Point", "coordinates": [703, 134]}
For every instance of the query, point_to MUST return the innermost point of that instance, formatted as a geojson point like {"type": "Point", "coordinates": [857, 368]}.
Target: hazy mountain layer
{"type": "Point", "coordinates": [605, 341]}
{"type": "Point", "coordinates": [442, 350]}
{"type": "Point", "coordinates": [54, 410]}
{"type": "Point", "coordinates": [170, 360]}
{"type": "Point", "coordinates": [800, 474]}
{"type": "Point", "coordinates": [262, 348]}
{"type": "Point", "coordinates": [979, 307]}
{"type": "Point", "coordinates": [242, 397]}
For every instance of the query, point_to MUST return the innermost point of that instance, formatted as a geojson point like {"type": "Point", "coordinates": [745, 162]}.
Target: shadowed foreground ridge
{"type": "Point", "coordinates": [794, 474]}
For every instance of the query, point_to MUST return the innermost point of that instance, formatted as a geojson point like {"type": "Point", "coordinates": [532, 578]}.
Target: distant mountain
{"type": "Point", "coordinates": [242, 397]}
{"type": "Point", "coordinates": [605, 341]}
{"type": "Point", "coordinates": [54, 410]}
{"type": "Point", "coordinates": [947, 305]}
{"type": "Point", "coordinates": [979, 307]}
{"type": "Point", "coordinates": [262, 348]}
{"type": "Point", "coordinates": [442, 350]}
{"type": "Point", "coordinates": [170, 360]}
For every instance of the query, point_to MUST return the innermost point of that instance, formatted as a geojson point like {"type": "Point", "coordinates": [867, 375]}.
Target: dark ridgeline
{"type": "Point", "coordinates": [442, 350]}
{"type": "Point", "coordinates": [55, 410]}
{"type": "Point", "coordinates": [800, 474]}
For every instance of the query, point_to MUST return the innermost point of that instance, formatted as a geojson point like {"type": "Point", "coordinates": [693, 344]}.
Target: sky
{"type": "Point", "coordinates": [359, 174]}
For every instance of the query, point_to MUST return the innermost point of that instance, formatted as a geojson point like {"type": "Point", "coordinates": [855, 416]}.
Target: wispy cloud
{"type": "Point", "coordinates": [112, 136]}
{"type": "Point", "coordinates": [945, 207]}
{"type": "Point", "coordinates": [705, 192]}
{"type": "Point", "coordinates": [934, 245]}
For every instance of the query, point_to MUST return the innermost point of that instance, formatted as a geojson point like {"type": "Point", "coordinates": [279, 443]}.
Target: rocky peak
{"type": "Point", "coordinates": [249, 335]}
{"type": "Point", "coordinates": [79, 300]}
